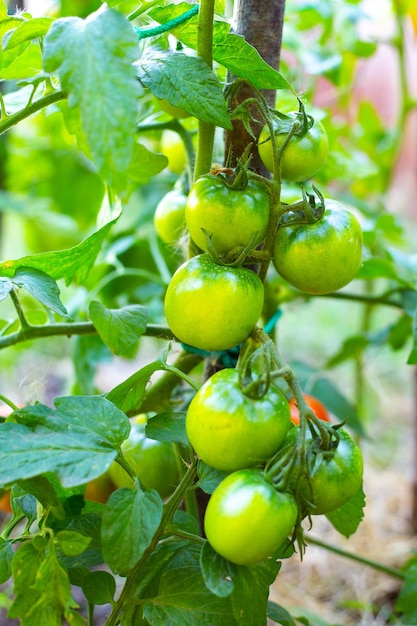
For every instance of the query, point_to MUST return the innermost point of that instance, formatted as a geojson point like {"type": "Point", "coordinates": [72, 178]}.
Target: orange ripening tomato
{"type": "Point", "coordinates": [315, 405]}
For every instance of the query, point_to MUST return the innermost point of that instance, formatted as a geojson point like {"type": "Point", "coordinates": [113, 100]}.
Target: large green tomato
{"type": "Point", "coordinates": [155, 463]}
{"type": "Point", "coordinates": [334, 479]}
{"type": "Point", "coordinates": [210, 306]}
{"type": "Point", "coordinates": [231, 431]}
{"type": "Point", "coordinates": [169, 217]}
{"type": "Point", "coordinates": [321, 257]}
{"type": "Point", "coordinates": [303, 156]}
{"type": "Point", "coordinates": [231, 217]}
{"type": "Point", "coordinates": [246, 519]}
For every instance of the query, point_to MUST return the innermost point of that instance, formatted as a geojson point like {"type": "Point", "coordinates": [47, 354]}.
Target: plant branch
{"type": "Point", "coordinates": [27, 111]}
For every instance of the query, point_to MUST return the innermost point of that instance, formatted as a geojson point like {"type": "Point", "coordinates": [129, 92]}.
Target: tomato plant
{"type": "Point", "coordinates": [231, 217]}
{"type": "Point", "coordinates": [247, 519]}
{"type": "Point", "coordinates": [155, 463]}
{"type": "Point", "coordinates": [171, 109]}
{"type": "Point", "coordinates": [228, 429]}
{"type": "Point", "coordinates": [323, 256]}
{"type": "Point", "coordinates": [169, 217]}
{"type": "Point", "coordinates": [304, 155]}
{"type": "Point", "coordinates": [315, 405]}
{"type": "Point", "coordinates": [211, 306]}
{"type": "Point", "coordinates": [173, 148]}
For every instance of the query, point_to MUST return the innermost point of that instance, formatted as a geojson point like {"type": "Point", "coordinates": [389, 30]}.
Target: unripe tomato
{"type": "Point", "coordinates": [303, 156]}
{"type": "Point", "coordinates": [229, 430]}
{"type": "Point", "coordinates": [315, 405]}
{"type": "Point", "coordinates": [100, 489]}
{"type": "Point", "coordinates": [211, 306]}
{"type": "Point", "coordinates": [171, 109]}
{"type": "Point", "coordinates": [173, 148]}
{"type": "Point", "coordinates": [321, 257]}
{"type": "Point", "coordinates": [155, 463]}
{"type": "Point", "coordinates": [246, 519]}
{"type": "Point", "coordinates": [231, 216]}
{"type": "Point", "coordinates": [169, 217]}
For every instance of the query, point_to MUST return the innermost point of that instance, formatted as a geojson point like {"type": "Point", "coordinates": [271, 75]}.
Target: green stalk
{"type": "Point", "coordinates": [205, 141]}
{"type": "Point", "coordinates": [27, 111]}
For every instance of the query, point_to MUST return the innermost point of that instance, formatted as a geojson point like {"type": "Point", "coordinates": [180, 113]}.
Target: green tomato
{"type": "Point", "coordinates": [303, 156]}
{"type": "Point", "coordinates": [169, 217]}
{"type": "Point", "coordinates": [210, 306]}
{"type": "Point", "coordinates": [173, 148]}
{"type": "Point", "coordinates": [334, 478]}
{"type": "Point", "coordinates": [321, 257]}
{"type": "Point", "coordinates": [155, 463]}
{"type": "Point", "coordinates": [231, 217]}
{"type": "Point", "coordinates": [171, 109]}
{"type": "Point", "coordinates": [247, 519]}
{"type": "Point", "coordinates": [231, 431]}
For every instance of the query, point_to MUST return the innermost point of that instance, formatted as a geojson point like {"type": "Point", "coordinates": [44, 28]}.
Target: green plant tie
{"type": "Point", "coordinates": [143, 33]}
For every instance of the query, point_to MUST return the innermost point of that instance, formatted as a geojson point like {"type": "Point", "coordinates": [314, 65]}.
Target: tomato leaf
{"type": "Point", "coordinates": [145, 164]}
{"type": "Point", "coordinates": [278, 614]}
{"type": "Point", "coordinates": [253, 582]}
{"type": "Point", "coordinates": [28, 30]}
{"type": "Point", "coordinates": [120, 329]}
{"type": "Point", "coordinates": [99, 587]}
{"type": "Point", "coordinates": [183, 598]}
{"type": "Point", "coordinates": [7, 25]}
{"type": "Point", "coordinates": [230, 50]}
{"type": "Point", "coordinates": [347, 518]}
{"type": "Point", "coordinates": [42, 589]}
{"type": "Point", "coordinates": [217, 572]}
{"type": "Point", "coordinates": [186, 82]}
{"type": "Point", "coordinates": [406, 602]}
{"type": "Point", "coordinates": [70, 264]}
{"type": "Point", "coordinates": [6, 555]}
{"type": "Point", "coordinates": [72, 542]}
{"type": "Point", "coordinates": [93, 58]}
{"type": "Point", "coordinates": [208, 477]}
{"type": "Point", "coordinates": [47, 491]}
{"type": "Point", "coordinates": [167, 427]}
{"type": "Point", "coordinates": [41, 286]}
{"type": "Point", "coordinates": [77, 442]}
{"type": "Point", "coordinates": [130, 520]}
{"type": "Point", "coordinates": [412, 357]}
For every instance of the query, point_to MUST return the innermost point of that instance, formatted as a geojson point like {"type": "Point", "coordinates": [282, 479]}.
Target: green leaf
{"type": "Point", "coordinates": [412, 357]}
{"type": "Point", "coordinates": [130, 520]}
{"type": "Point", "coordinates": [94, 59]}
{"type": "Point", "coordinates": [183, 598]}
{"type": "Point", "coordinates": [35, 27]}
{"type": "Point", "coordinates": [42, 589]}
{"type": "Point", "coordinates": [120, 329]}
{"type": "Point", "coordinates": [41, 286]}
{"type": "Point", "coordinates": [208, 477]}
{"type": "Point", "coordinates": [77, 442]}
{"type": "Point", "coordinates": [70, 264]}
{"type": "Point", "coordinates": [128, 395]}
{"type": "Point", "coordinates": [378, 268]}
{"type": "Point", "coordinates": [278, 614]}
{"type": "Point", "coordinates": [167, 427]}
{"type": "Point", "coordinates": [72, 543]}
{"type": "Point", "coordinates": [44, 489]}
{"type": "Point", "coordinates": [186, 82]}
{"type": "Point", "coordinates": [8, 24]}
{"type": "Point", "coordinates": [217, 572]}
{"type": "Point", "coordinates": [6, 285]}
{"type": "Point", "coordinates": [407, 599]}
{"type": "Point", "coordinates": [6, 556]}
{"type": "Point", "coordinates": [145, 164]}
{"type": "Point", "coordinates": [99, 587]}
{"type": "Point", "coordinates": [347, 518]}
{"type": "Point", "coordinates": [253, 582]}
{"type": "Point", "coordinates": [230, 50]}
{"type": "Point", "coordinates": [3, 8]}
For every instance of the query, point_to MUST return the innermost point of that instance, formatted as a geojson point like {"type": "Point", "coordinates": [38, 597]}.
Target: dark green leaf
{"type": "Point", "coordinates": [6, 555]}
{"type": "Point", "coordinates": [28, 30]}
{"type": "Point", "coordinates": [41, 286]}
{"type": "Point", "coordinates": [87, 525]}
{"type": "Point", "coordinates": [69, 264]}
{"type": "Point", "coordinates": [167, 427]}
{"type": "Point", "coordinates": [186, 521]}
{"type": "Point", "coordinates": [99, 587]}
{"type": "Point", "coordinates": [253, 582]}
{"type": "Point", "coordinates": [208, 477]}
{"type": "Point", "coordinates": [45, 491]}
{"type": "Point", "coordinates": [72, 542]}
{"type": "Point", "coordinates": [186, 82]}
{"type": "Point", "coordinates": [129, 394]}
{"type": "Point", "coordinates": [347, 518]}
{"type": "Point", "coordinates": [352, 348]}
{"type": "Point", "coordinates": [217, 572]}
{"type": "Point", "coordinates": [130, 520]}
{"type": "Point", "coordinates": [400, 332]}
{"type": "Point", "coordinates": [78, 441]}
{"type": "Point", "coordinates": [278, 614]}
{"type": "Point", "coordinates": [94, 59]}
{"type": "Point", "coordinates": [120, 329]}
{"type": "Point", "coordinates": [407, 599]}
{"type": "Point", "coordinates": [183, 598]}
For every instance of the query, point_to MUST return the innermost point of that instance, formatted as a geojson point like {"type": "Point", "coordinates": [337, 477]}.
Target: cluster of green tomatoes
{"type": "Point", "coordinates": [213, 303]}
